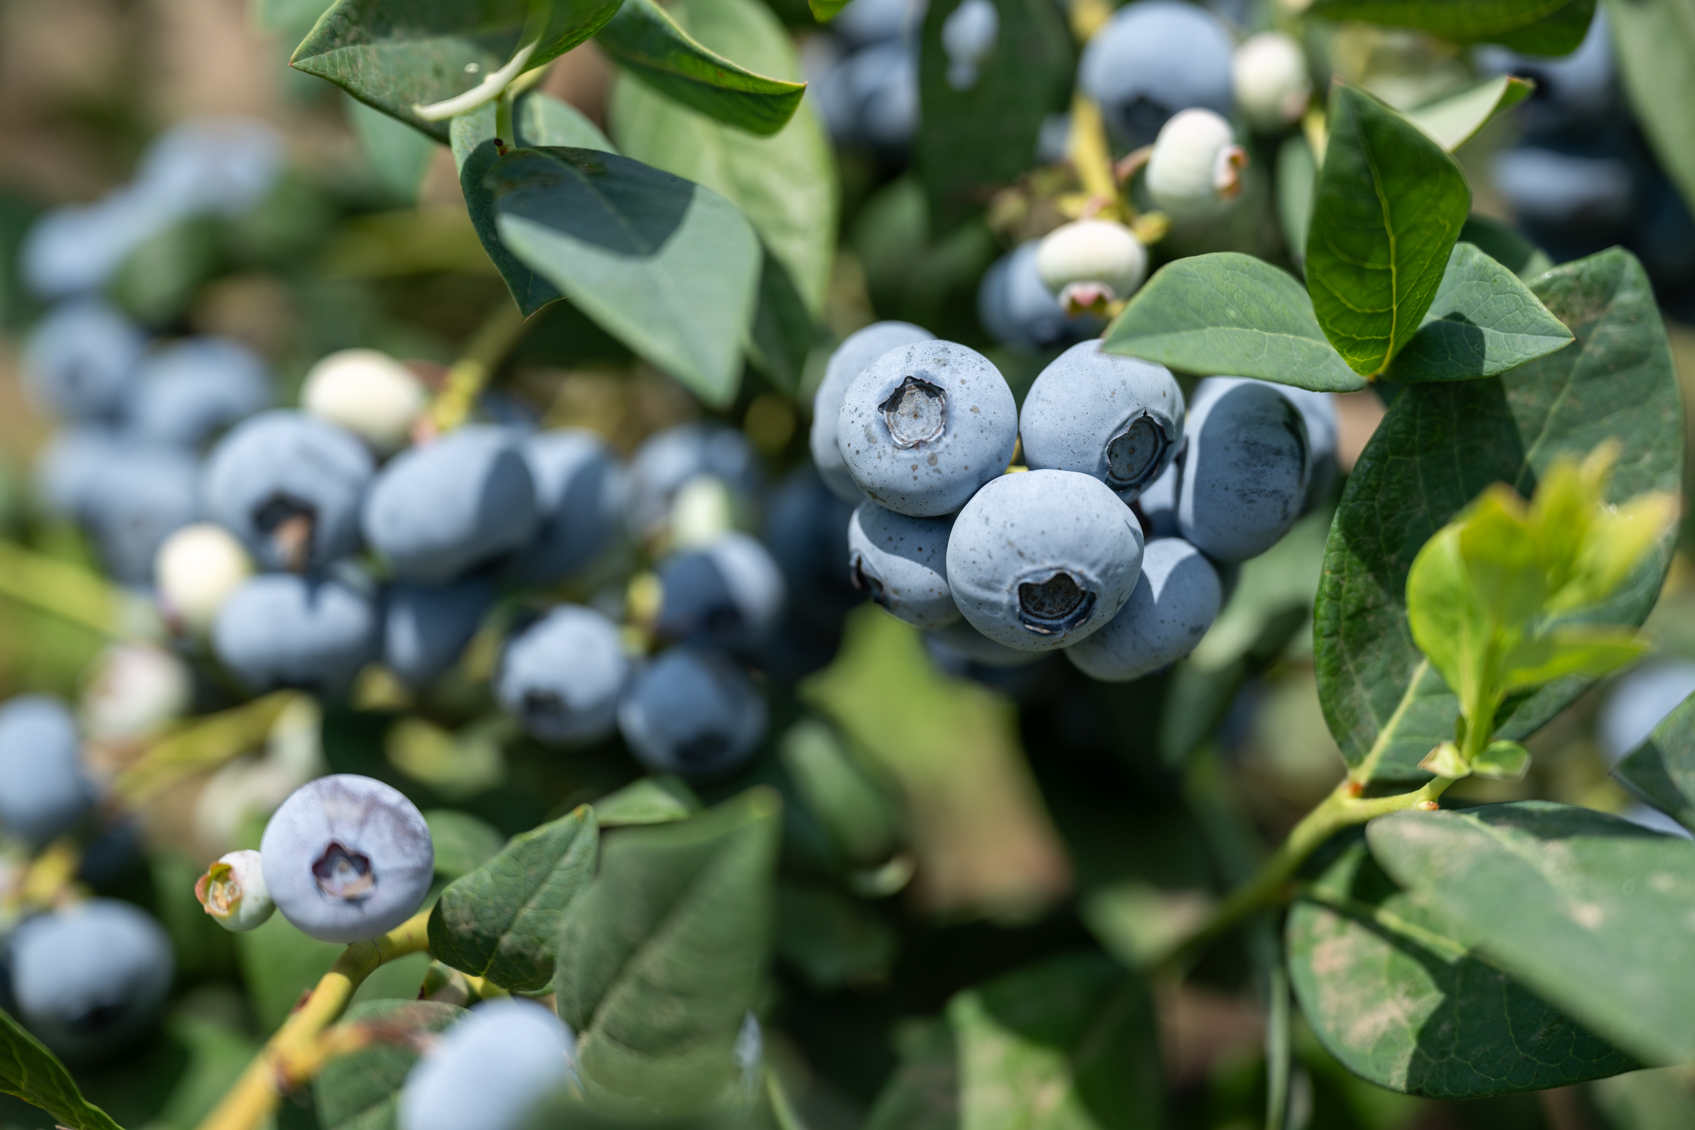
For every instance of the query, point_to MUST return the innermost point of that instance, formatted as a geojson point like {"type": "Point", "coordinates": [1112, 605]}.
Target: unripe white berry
{"type": "Point", "coordinates": [1088, 263]}
{"type": "Point", "coordinates": [196, 570]}
{"type": "Point", "coordinates": [134, 689]}
{"type": "Point", "coordinates": [1196, 164]}
{"type": "Point", "coordinates": [367, 392]}
{"type": "Point", "coordinates": [233, 892]}
{"type": "Point", "coordinates": [1270, 76]}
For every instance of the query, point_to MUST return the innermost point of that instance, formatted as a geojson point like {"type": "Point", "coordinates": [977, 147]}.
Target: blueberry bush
{"type": "Point", "coordinates": [978, 564]}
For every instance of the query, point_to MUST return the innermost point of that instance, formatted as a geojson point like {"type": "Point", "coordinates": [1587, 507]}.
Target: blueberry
{"type": "Point", "coordinates": [876, 21]}
{"type": "Point", "coordinates": [91, 977]}
{"type": "Point", "coordinates": [310, 632]}
{"type": "Point", "coordinates": [76, 249]}
{"type": "Point", "coordinates": [806, 530]}
{"type": "Point", "coordinates": [1019, 311]}
{"type": "Point", "coordinates": [1245, 471]}
{"type": "Point", "coordinates": [81, 360]}
{"type": "Point", "coordinates": [671, 458]}
{"type": "Point", "coordinates": [579, 488]}
{"type": "Point", "coordinates": [188, 392]}
{"type": "Point", "coordinates": [223, 165]}
{"type": "Point", "coordinates": [426, 627]}
{"type": "Point", "coordinates": [437, 512]}
{"type": "Point", "coordinates": [1152, 59]}
{"type": "Point", "coordinates": [563, 674]}
{"type": "Point", "coordinates": [1639, 700]}
{"type": "Point", "coordinates": [68, 469]}
{"type": "Point", "coordinates": [969, 36]}
{"type": "Point", "coordinates": [871, 97]}
{"type": "Point", "coordinates": [851, 357]}
{"type": "Point", "coordinates": [1196, 165]}
{"type": "Point", "coordinates": [729, 593]}
{"type": "Point", "coordinates": [42, 788]}
{"type": "Point", "coordinates": [1117, 418]}
{"type": "Point", "coordinates": [1088, 264]}
{"type": "Point", "coordinates": [925, 425]}
{"type": "Point", "coordinates": [957, 646]}
{"type": "Point", "coordinates": [1175, 602]}
{"type": "Point", "coordinates": [133, 690]}
{"type": "Point", "coordinates": [902, 563]}
{"type": "Point", "coordinates": [1269, 73]}
{"type": "Point", "coordinates": [290, 487]}
{"type": "Point", "coordinates": [233, 892]}
{"type": "Point", "coordinates": [1318, 413]}
{"type": "Point", "coordinates": [367, 392]}
{"type": "Point", "coordinates": [142, 494]}
{"type": "Point", "coordinates": [489, 1070]}
{"type": "Point", "coordinates": [692, 712]}
{"type": "Point", "coordinates": [1157, 504]}
{"type": "Point", "coordinates": [195, 571]}
{"type": "Point", "coordinates": [347, 858]}
{"type": "Point", "coordinates": [1040, 559]}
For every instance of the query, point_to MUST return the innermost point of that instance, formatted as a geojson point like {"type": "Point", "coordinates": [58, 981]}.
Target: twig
{"type": "Point", "coordinates": [468, 376]}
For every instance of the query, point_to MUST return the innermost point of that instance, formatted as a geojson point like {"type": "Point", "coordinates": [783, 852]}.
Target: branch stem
{"type": "Point", "coordinates": [256, 1093]}
{"type": "Point", "coordinates": [470, 374]}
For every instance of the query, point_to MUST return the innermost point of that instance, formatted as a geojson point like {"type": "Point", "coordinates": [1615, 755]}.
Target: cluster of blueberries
{"type": "Point", "coordinates": [1117, 538]}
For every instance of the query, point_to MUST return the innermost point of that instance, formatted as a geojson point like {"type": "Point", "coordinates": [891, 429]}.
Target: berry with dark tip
{"type": "Point", "coordinates": [901, 563]}
{"type": "Point", "coordinates": [579, 487]}
{"type": "Point", "coordinates": [1153, 59]}
{"type": "Point", "coordinates": [1175, 601]}
{"type": "Point", "coordinates": [850, 358]}
{"type": "Point", "coordinates": [729, 593]}
{"type": "Point", "coordinates": [562, 676]}
{"type": "Point", "coordinates": [313, 632]}
{"type": "Point", "coordinates": [692, 712]}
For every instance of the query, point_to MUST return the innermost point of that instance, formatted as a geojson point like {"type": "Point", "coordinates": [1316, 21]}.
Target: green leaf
{"type": "Point", "coordinates": [1563, 652]}
{"type": "Point", "coordinates": [1502, 761]}
{"type": "Point", "coordinates": [398, 154]}
{"type": "Point", "coordinates": [1506, 246]}
{"type": "Point", "coordinates": [825, 10]}
{"type": "Point", "coordinates": [1388, 207]}
{"type": "Point", "coordinates": [361, 1089]}
{"type": "Point", "coordinates": [785, 185]}
{"type": "Point", "coordinates": [396, 54]}
{"type": "Point", "coordinates": [1537, 27]}
{"type": "Point", "coordinates": [782, 334]}
{"type": "Point", "coordinates": [667, 267]}
{"type": "Point", "coordinates": [855, 808]}
{"type": "Point", "coordinates": [462, 841]}
{"type": "Point", "coordinates": [1233, 315]}
{"type": "Point", "coordinates": [1591, 912]}
{"type": "Point", "coordinates": [1662, 769]}
{"type": "Point", "coordinates": [650, 800]}
{"type": "Point", "coordinates": [1297, 177]}
{"type": "Point", "coordinates": [1483, 321]}
{"type": "Point", "coordinates": [647, 42]}
{"type": "Point", "coordinates": [502, 919]}
{"type": "Point", "coordinates": [1442, 444]}
{"type": "Point", "coordinates": [32, 1073]}
{"type": "Point", "coordinates": [1655, 43]}
{"type": "Point", "coordinates": [974, 140]}
{"type": "Point", "coordinates": [663, 956]}
{"type": "Point", "coordinates": [1066, 1045]}
{"type": "Point", "coordinates": [1402, 999]}
{"type": "Point", "coordinates": [1453, 120]}
{"type": "Point", "coordinates": [832, 939]}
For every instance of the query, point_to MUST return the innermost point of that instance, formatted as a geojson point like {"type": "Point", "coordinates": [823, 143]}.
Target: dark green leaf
{"type": "Point", "coordinates": [651, 800]}
{"type": "Point", "coordinates": [1506, 246]}
{"type": "Point", "coordinates": [781, 335]}
{"type": "Point", "coordinates": [1539, 27]}
{"type": "Point", "coordinates": [668, 267]}
{"type": "Point", "coordinates": [832, 939]}
{"type": "Point", "coordinates": [461, 840]}
{"type": "Point", "coordinates": [397, 54]}
{"type": "Point", "coordinates": [1437, 448]}
{"type": "Point", "coordinates": [785, 185]}
{"type": "Point", "coordinates": [1402, 1000]}
{"type": "Point", "coordinates": [974, 140]}
{"type": "Point", "coordinates": [361, 1089]}
{"type": "Point", "coordinates": [1483, 322]}
{"type": "Point", "coordinates": [34, 1074]}
{"type": "Point", "coordinates": [1588, 910]}
{"type": "Point", "coordinates": [646, 41]}
{"type": "Point", "coordinates": [1656, 51]}
{"type": "Point", "coordinates": [502, 919]}
{"type": "Point", "coordinates": [1454, 119]}
{"type": "Point", "coordinates": [662, 957]}
{"type": "Point", "coordinates": [1662, 769]}
{"type": "Point", "coordinates": [825, 10]}
{"type": "Point", "coordinates": [1066, 1045]}
{"type": "Point", "coordinates": [856, 809]}
{"type": "Point", "coordinates": [1388, 207]}
{"type": "Point", "coordinates": [1233, 315]}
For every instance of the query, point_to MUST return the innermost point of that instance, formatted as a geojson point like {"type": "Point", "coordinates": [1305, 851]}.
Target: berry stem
{"type": "Point", "coordinates": [1092, 157]}
{"type": "Point", "coordinates": [292, 1050]}
{"type": "Point", "coordinates": [1270, 885]}
{"type": "Point", "coordinates": [201, 744]}
{"type": "Point", "coordinates": [63, 589]}
{"type": "Point", "coordinates": [468, 376]}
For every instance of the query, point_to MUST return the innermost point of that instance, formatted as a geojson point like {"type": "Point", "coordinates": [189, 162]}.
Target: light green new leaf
{"type": "Point", "coordinates": [668, 267]}
{"type": "Point", "coordinates": [1229, 314]}
{"type": "Point", "coordinates": [647, 42]}
{"type": "Point", "coordinates": [1483, 321]}
{"type": "Point", "coordinates": [1662, 769]}
{"type": "Point", "coordinates": [1438, 448]}
{"type": "Point", "coordinates": [1453, 120]}
{"type": "Point", "coordinates": [1656, 48]}
{"type": "Point", "coordinates": [825, 10]}
{"type": "Point", "coordinates": [785, 185]}
{"type": "Point", "coordinates": [397, 54]}
{"type": "Point", "coordinates": [1402, 999]}
{"type": "Point", "coordinates": [1589, 911]}
{"type": "Point", "coordinates": [32, 1073]}
{"type": "Point", "coordinates": [1563, 652]}
{"type": "Point", "coordinates": [360, 1090]}
{"type": "Point", "coordinates": [661, 959]}
{"type": "Point", "coordinates": [1537, 27]}
{"type": "Point", "coordinates": [1444, 615]}
{"type": "Point", "coordinates": [1506, 246]}
{"type": "Point", "coordinates": [1388, 207]}
{"type": "Point", "coordinates": [501, 920]}
{"type": "Point", "coordinates": [650, 800]}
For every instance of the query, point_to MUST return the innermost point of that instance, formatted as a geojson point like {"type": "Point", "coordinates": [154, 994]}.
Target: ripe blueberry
{"type": "Point", "coordinates": [856, 351]}
{"type": "Point", "coordinates": [563, 674]}
{"type": "Point", "coordinates": [669, 459]}
{"type": "Point", "coordinates": [729, 593]}
{"type": "Point", "coordinates": [489, 1070]}
{"type": "Point", "coordinates": [313, 633]}
{"type": "Point", "coordinates": [806, 530]}
{"type": "Point", "coordinates": [1245, 471]}
{"type": "Point", "coordinates": [901, 562]}
{"type": "Point", "coordinates": [579, 489]}
{"type": "Point", "coordinates": [189, 391]}
{"type": "Point", "coordinates": [1152, 59]}
{"type": "Point", "coordinates": [956, 647]}
{"type": "Point", "coordinates": [1175, 602]}
{"type": "Point", "coordinates": [347, 858]}
{"type": "Point", "coordinates": [1019, 311]}
{"type": "Point", "coordinates": [1318, 413]}
{"type": "Point", "coordinates": [142, 494]}
{"type": "Point", "coordinates": [80, 360]}
{"type": "Point", "coordinates": [426, 627]}
{"type": "Point", "coordinates": [42, 788]}
{"type": "Point", "coordinates": [692, 712]}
